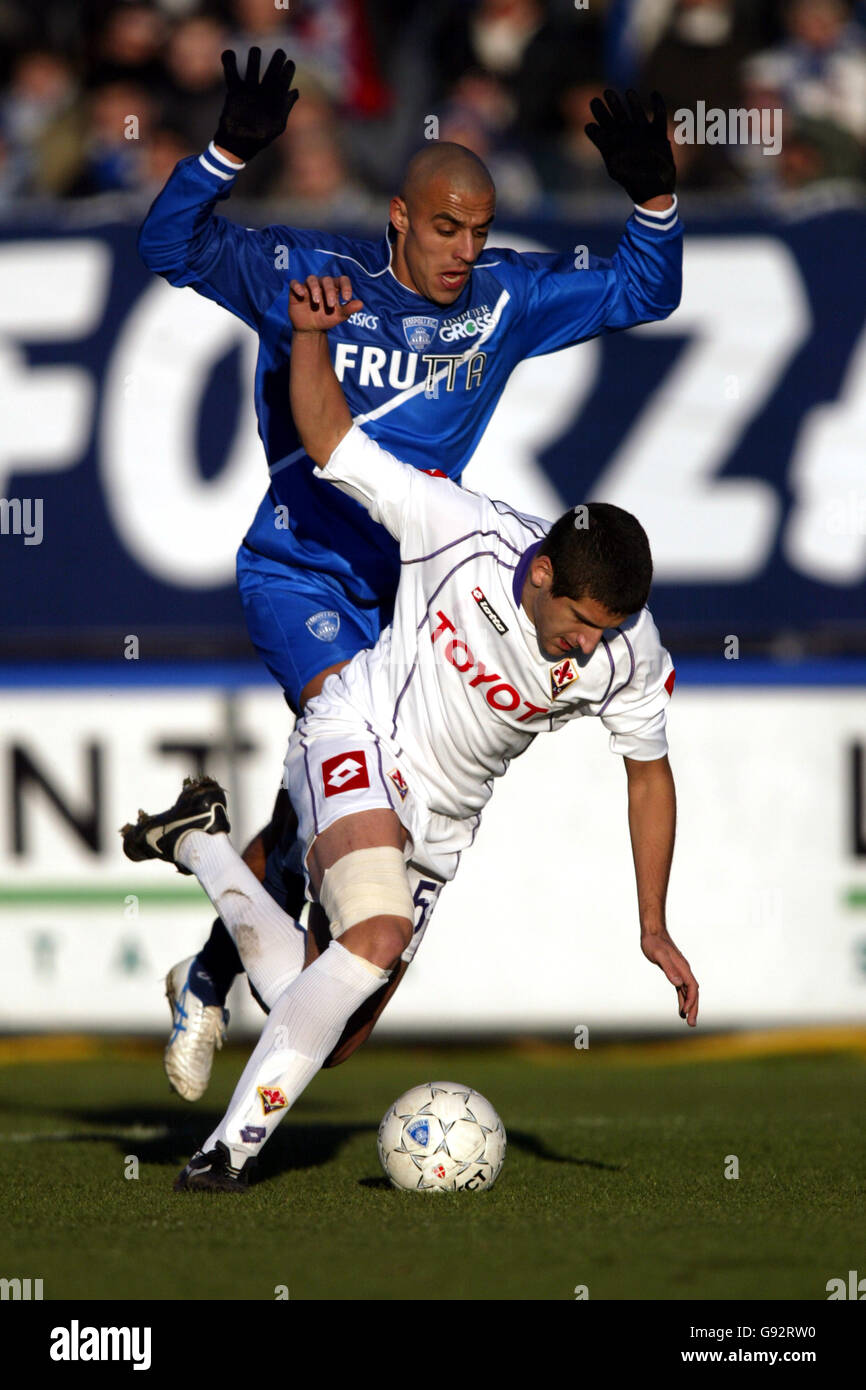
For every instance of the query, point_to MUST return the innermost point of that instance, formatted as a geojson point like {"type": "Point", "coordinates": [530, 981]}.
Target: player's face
{"type": "Point", "coordinates": [439, 238]}
{"type": "Point", "coordinates": [571, 624]}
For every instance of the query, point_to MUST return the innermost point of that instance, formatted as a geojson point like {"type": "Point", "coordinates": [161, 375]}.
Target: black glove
{"type": "Point", "coordinates": [255, 113]}
{"type": "Point", "coordinates": [637, 152]}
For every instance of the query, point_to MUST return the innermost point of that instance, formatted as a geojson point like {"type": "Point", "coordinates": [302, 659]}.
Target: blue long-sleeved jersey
{"type": "Point", "coordinates": [423, 378]}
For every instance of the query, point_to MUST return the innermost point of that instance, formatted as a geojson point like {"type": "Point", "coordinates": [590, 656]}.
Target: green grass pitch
{"type": "Point", "coordinates": [614, 1179]}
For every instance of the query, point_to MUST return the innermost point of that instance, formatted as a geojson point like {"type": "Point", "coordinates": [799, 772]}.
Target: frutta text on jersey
{"type": "Point", "coordinates": [380, 368]}
{"type": "Point", "coordinates": [499, 694]}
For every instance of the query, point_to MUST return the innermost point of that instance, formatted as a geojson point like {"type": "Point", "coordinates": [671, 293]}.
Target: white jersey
{"type": "Point", "coordinates": [458, 685]}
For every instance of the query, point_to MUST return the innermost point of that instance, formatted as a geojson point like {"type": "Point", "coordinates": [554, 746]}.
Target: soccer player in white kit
{"type": "Point", "coordinates": [504, 627]}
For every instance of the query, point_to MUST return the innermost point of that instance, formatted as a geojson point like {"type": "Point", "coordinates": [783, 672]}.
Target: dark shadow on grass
{"type": "Point", "coordinates": [531, 1144]}
{"type": "Point", "coordinates": [165, 1136]}
{"type": "Point", "coordinates": [526, 1143]}
{"type": "Point", "coordinates": [169, 1137]}
{"type": "Point", "coordinates": [294, 1148]}
{"type": "Point", "coordinates": [153, 1133]}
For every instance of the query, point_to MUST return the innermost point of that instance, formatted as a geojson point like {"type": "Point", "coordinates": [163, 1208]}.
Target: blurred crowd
{"type": "Point", "coordinates": [103, 98]}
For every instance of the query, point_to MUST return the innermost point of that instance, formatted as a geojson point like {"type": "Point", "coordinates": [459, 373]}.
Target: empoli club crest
{"type": "Point", "coordinates": [324, 625]}
{"type": "Point", "coordinates": [419, 331]}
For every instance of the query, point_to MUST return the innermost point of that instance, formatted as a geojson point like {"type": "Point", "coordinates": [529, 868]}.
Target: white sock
{"type": "Point", "coordinates": [270, 942]}
{"type": "Point", "coordinates": [302, 1028]}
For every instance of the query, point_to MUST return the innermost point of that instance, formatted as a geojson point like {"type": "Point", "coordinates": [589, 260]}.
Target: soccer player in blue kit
{"type": "Point", "coordinates": [445, 322]}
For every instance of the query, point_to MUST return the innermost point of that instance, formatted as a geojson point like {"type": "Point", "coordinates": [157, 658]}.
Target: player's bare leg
{"type": "Point", "coordinates": [197, 987]}
{"type": "Point", "coordinates": [356, 861]}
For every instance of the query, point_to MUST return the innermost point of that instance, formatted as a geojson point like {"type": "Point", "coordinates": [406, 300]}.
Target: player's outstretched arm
{"type": "Point", "coordinates": [319, 407]}
{"type": "Point", "coordinates": [642, 282]}
{"type": "Point", "coordinates": [182, 239]}
{"type": "Point", "coordinates": [652, 811]}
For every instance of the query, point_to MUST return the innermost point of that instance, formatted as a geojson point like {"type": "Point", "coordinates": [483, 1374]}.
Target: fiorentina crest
{"type": "Point", "coordinates": [419, 331]}
{"type": "Point", "coordinates": [561, 675]}
{"type": "Point", "coordinates": [399, 781]}
{"type": "Point", "coordinates": [272, 1098]}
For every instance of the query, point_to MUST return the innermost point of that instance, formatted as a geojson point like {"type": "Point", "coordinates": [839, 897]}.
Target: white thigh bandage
{"type": "Point", "coordinates": [366, 883]}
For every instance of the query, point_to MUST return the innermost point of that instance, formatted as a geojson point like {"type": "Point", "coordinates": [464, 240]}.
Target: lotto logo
{"type": "Point", "coordinates": [489, 611]}
{"type": "Point", "coordinates": [669, 683]}
{"type": "Point", "coordinates": [347, 772]}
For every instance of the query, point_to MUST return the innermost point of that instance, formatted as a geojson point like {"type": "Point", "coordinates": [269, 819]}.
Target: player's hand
{"type": "Point", "coordinates": [660, 949]}
{"type": "Point", "coordinates": [317, 304]}
{"type": "Point", "coordinates": [636, 151]}
{"type": "Point", "coordinates": [254, 112]}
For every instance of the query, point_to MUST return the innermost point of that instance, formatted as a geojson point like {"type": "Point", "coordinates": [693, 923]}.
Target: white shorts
{"type": "Point", "coordinates": [336, 768]}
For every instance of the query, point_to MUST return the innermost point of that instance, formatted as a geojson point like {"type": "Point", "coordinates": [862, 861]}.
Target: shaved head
{"type": "Point", "coordinates": [450, 163]}
{"type": "Point", "coordinates": [441, 218]}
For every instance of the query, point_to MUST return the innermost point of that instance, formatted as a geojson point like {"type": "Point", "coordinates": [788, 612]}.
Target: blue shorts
{"type": "Point", "coordinates": [303, 621]}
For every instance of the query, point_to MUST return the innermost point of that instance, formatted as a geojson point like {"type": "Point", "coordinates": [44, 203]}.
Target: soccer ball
{"type": "Point", "coordinates": [441, 1137]}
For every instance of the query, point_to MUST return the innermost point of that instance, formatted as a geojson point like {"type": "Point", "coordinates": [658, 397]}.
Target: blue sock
{"type": "Point", "coordinates": [215, 967]}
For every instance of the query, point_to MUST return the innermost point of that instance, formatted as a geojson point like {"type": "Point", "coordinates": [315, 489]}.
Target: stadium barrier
{"type": "Point", "coordinates": [539, 930]}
